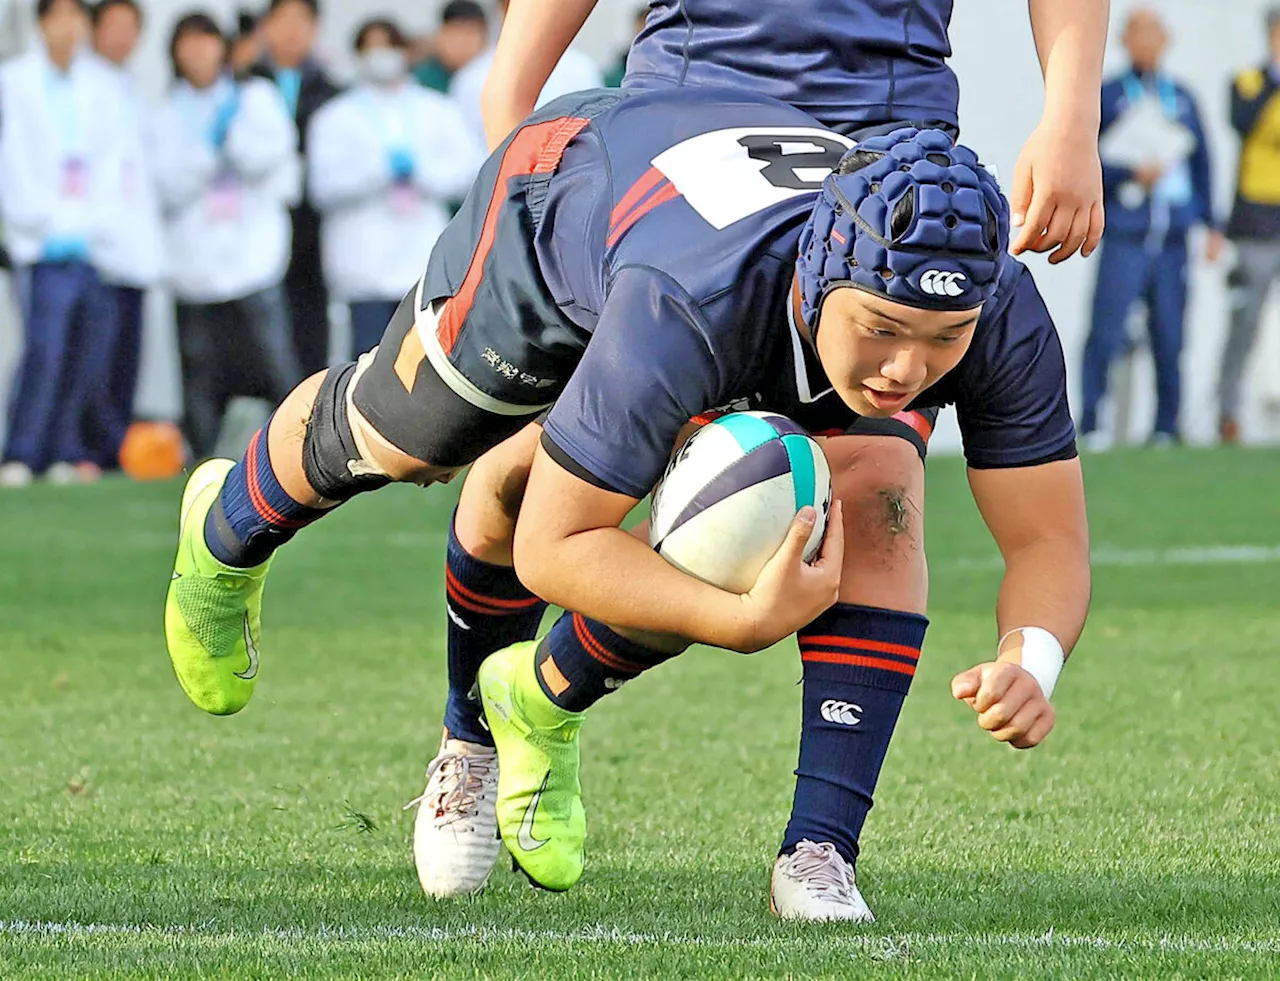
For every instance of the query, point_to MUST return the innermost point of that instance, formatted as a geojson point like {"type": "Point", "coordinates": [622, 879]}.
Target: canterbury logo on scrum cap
{"type": "Point", "coordinates": [940, 282]}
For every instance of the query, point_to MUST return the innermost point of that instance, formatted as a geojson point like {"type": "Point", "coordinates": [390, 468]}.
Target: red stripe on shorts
{"type": "Point", "coordinates": [535, 149]}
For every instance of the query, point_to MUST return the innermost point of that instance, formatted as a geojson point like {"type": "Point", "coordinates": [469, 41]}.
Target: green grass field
{"type": "Point", "coordinates": [142, 839]}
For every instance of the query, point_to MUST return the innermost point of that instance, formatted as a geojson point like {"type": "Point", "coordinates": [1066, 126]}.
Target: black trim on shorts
{"type": "Point", "coordinates": [431, 423]}
{"type": "Point", "coordinates": [871, 426]}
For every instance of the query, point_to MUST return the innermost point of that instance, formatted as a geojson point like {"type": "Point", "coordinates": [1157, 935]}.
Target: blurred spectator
{"type": "Point", "coordinates": [385, 156]}
{"type": "Point", "coordinates": [246, 46]}
{"type": "Point", "coordinates": [227, 172]}
{"type": "Point", "coordinates": [463, 34]}
{"type": "Point", "coordinates": [129, 258]}
{"type": "Point", "coordinates": [15, 16]}
{"type": "Point", "coordinates": [289, 35]}
{"type": "Point", "coordinates": [613, 77]}
{"type": "Point", "coordinates": [1156, 186]}
{"type": "Point", "coordinates": [57, 142]}
{"type": "Point", "coordinates": [1254, 227]}
{"type": "Point", "coordinates": [574, 72]}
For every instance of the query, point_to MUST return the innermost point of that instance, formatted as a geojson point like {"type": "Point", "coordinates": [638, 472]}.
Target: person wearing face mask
{"type": "Point", "coordinates": [384, 158]}
{"type": "Point", "coordinates": [227, 172]}
{"type": "Point", "coordinates": [58, 143]}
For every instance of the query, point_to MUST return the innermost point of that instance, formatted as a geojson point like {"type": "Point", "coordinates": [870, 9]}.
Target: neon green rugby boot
{"type": "Point", "coordinates": [540, 812]}
{"type": "Point", "coordinates": [213, 613]}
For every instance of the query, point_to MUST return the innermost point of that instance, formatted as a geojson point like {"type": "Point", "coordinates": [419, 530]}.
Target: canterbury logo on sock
{"type": "Point", "coordinates": [841, 713]}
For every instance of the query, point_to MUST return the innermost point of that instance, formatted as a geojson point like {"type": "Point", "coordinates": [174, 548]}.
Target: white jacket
{"type": "Point", "coordinates": [131, 246]}
{"type": "Point", "coordinates": [377, 236]}
{"type": "Point", "coordinates": [576, 71]}
{"type": "Point", "coordinates": [226, 212]}
{"type": "Point", "coordinates": [38, 135]}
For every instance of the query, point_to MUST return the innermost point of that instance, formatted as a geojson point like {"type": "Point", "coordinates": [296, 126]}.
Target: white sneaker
{"type": "Point", "coordinates": [815, 883]}
{"type": "Point", "coordinates": [15, 474]}
{"type": "Point", "coordinates": [455, 835]}
{"type": "Point", "coordinates": [62, 474]}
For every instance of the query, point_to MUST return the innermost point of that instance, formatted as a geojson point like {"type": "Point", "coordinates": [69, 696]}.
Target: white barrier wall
{"type": "Point", "coordinates": [1000, 104]}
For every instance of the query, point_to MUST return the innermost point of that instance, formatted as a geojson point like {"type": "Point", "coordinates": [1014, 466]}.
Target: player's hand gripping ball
{"type": "Point", "coordinates": [728, 498]}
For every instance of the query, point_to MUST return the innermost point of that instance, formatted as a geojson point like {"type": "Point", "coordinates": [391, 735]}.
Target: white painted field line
{"type": "Point", "coordinates": [1103, 556]}
{"type": "Point", "coordinates": [1110, 556]}
{"type": "Point", "coordinates": [888, 945]}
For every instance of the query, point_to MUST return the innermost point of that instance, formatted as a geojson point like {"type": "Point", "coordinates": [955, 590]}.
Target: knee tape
{"type": "Point", "coordinates": [330, 457]}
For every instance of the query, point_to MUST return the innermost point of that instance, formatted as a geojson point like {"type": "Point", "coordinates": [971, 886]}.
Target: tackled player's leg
{"type": "Point", "coordinates": [858, 656]}
{"type": "Point", "coordinates": [858, 660]}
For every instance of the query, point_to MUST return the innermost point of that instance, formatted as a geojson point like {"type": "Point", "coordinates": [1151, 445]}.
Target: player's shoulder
{"type": "Point", "coordinates": [1013, 331]}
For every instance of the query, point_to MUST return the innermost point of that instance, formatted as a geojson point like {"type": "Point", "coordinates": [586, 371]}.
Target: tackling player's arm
{"type": "Point", "coordinates": [1025, 477]}
{"type": "Point", "coordinates": [1056, 196]}
{"type": "Point", "coordinates": [1037, 517]}
{"type": "Point", "coordinates": [535, 34]}
{"type": "Point", "coordinates": [648, 369]}
{"type": "Point", "coordinates": [570, 550]}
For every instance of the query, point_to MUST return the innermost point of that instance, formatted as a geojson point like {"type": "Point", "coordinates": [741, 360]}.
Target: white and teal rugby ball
{"type": "Point", "coordinates": [727, 498]}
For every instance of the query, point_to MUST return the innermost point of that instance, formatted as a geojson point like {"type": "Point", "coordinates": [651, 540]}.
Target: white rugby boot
{"type": "Point", "coordinates": [815, 883]}
{"type": "Point", "coordinates": [455, 834]}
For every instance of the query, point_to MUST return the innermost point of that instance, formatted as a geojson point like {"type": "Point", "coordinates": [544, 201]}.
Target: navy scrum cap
{"type": "Point", "coordinates": [908, 216]}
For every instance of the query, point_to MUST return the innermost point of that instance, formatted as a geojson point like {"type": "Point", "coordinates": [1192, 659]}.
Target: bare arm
{"type": "Point", "coordinates": [1037, 517]}
{"type": "Point", "coordinates": [1057, 188]}
{"type": "Point", "coordinates": [535, 33]}
{"type": "Point", "coordinates": [1070, 41]}
{"type": "Point", "coordinates": [571, 552]}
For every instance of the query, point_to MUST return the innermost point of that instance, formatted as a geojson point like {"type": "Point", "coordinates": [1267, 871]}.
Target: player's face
{"type": "Point", "coordinates": [880, 355]}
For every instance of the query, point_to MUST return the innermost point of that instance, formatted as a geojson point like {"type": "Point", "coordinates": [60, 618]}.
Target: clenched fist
{"type": "Point", "coordinates": [1009, 702]}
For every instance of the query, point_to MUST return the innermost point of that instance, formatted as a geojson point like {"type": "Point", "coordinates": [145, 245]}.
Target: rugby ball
{"type": "Point", "coordinates": [731, 492]}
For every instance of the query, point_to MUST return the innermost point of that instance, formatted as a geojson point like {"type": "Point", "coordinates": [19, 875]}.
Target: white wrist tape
{"type": "Point", "coordinates": [1042, 655]}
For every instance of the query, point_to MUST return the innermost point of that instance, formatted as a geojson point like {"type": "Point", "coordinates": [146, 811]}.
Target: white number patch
{"type": "Point", "coordinates": [729, 174]}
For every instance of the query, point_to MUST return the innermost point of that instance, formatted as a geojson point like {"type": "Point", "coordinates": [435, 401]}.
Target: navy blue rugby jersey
{"type": "Point", "coordinates": [848, 63]}
{"type": "Point", "coordinates": [669, 235]}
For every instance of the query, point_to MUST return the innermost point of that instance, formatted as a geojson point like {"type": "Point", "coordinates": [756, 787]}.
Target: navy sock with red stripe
{"type": "Point", "coordinates": [582, 660]}
{"type": "Point", "coordinates": [858, 663]}
{"type": "Point", "coordinates": [489, 609]}
{"type": "Point", "coordinates": [253, 516]}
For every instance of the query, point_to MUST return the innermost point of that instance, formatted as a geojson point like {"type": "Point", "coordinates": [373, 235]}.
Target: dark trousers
{"type": "Point", "coordinates": [69, 333]}
{"type": "Point", "coordinates": [240, 347]}
{"type": "Point", "coordinates": [104, 433]}
{"type": "Point", "coordinates": [308, 296]}
{"type": "Point", "coordinates": [1128, 271]}
{"type": "Point", "coordinates": [369, 318]}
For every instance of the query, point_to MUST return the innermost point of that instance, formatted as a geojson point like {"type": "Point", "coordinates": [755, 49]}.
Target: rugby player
{"type": "Point", "coordinates": [632, 262]}
{"type": "Point", "coordinates": [860, 67]}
